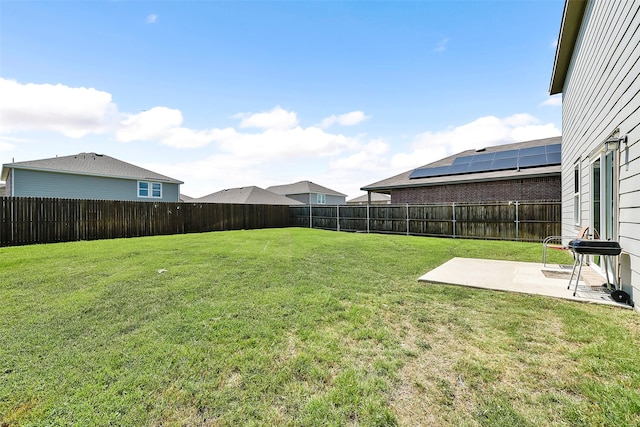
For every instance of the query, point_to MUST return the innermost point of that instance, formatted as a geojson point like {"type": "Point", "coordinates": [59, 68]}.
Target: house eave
{"type": "Point", "coordinates": [569, 29]}
{"type": "Point", "coordinates": [417, 183]}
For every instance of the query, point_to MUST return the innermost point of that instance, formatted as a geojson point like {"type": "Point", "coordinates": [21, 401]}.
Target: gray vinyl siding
{"type": "Point", "coordinates": [312, 199]}
{"type": "Point", "coordinates": [30, 183]}
{"type": "Point", "coordinates": [602, 94]}
{"type": "Point", "coordinates": [303, 198]}
{"type": "Point", "coordinates": [336, 200]}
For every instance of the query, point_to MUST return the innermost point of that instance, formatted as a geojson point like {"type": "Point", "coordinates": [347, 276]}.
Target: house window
{"type": "Point", "coordinates": [321, 199]}
{"type": "Point", "coordinates": [150, 189]}
{"type": "Point", "coordinates": [576, 193]}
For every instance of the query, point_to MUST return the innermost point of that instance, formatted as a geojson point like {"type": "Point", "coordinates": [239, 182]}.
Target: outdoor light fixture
{"type": "Point", "coordinates": [613, 143]}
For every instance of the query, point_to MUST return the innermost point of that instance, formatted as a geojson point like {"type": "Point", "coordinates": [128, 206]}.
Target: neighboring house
{"type": "Point", "coordinates": [3, 188]}
{"type": "Point", "coordinates": [247, 195]}
{"type": "Point", "coordinates": [310, 193]}
{"type": "Point", "coordinates": [596, 70]}
{"type": "Point", "coordinates": [376, 199]}
{"type": "Point", "coordinates": [185, 198]}
{"type": "Point", "coordinates": [523, 171]}
{"type": "Point", "coordinates": [88, 176]}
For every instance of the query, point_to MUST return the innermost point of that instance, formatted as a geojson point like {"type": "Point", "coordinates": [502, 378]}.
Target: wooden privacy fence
{"type": "Point", "coordinates": [527, 221]}
{"type": "Point", "coordinates": [26, 221]}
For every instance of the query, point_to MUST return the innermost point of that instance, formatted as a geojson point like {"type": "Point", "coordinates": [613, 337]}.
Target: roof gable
{"type": "Point", "coordinates": [569, 30]}
{"type": "Point", "coordinates": [375, 197]}
{"type": "Point", "coordinates": [303, 187]}
{"type": "Point", "coordinates": [89, 164]}
{"type": "Point", "coordinates": [247, 195]}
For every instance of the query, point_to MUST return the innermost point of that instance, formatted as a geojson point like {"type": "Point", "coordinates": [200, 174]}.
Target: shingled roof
{"type": "Point", "coordinates": [402, 180]}
{"type": "Point", "coordinates": [89, 164]}
{"type": "Point", "coordinates": [251, 195]}
{"type": "Point", "coordinates": [303, 187]}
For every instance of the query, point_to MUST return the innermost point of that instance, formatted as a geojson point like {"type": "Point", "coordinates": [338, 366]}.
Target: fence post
{"type": "Point", "coordinates": [368, 217]}
{"type": "Point", "coordinates": [338, 216]}
{"type": "Point", "coordinates": [453, 221]}
{"type": "Point", "coordinates": [310, 216]}
{"type": "Point", "coordinates": [517, 222]}
{"type": "Point", "coordinates": [407, 219]}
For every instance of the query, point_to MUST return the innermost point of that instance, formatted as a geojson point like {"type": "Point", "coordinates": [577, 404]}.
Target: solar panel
{"type": "Point", "coordinates": [483, 157]}
{"type": "Point", "coordinates": [554, 158]}
{"type": "Point", "coordinates": [463, 160]}
{"type": "Point", "coordinates": [531, 161]}
{"type": "Point", "coordinates": [456, 169]}
{"type": "Point", "coordinates": [429, 172]}
{"type": "Point", "coordinates": [532, 151]}
{"type": "Point", "coordinates": [480, 166]}
{"type": "Point", "coordinates": [543, 155]}
{"type": "Point", "coordinates": [554, 148]}
{"type": "Point", "coordinates": [506, 154]}
{"type": "Point", "coordinates": [501, 164]}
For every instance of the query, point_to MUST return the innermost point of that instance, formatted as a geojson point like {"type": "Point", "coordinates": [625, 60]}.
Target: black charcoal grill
{"type": "Point", "coordinates": [607, 249]}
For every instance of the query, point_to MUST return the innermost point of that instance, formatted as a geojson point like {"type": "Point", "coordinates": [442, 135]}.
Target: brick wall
{"type": "Point", "coordinates": [531, 189]}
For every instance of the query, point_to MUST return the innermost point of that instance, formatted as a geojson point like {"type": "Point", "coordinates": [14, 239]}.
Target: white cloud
{"type": "Point", "coordinates": [277, 140]}
{"type": "Point", "coordinates": [74, 112]}
{"type": "Point", "coordinates": [149, 125]}
{"type": "Point", "coordinates": [152, 19]}
{"type": "Point", "coordinates": [441, 46]}
{"type": "Point", "coordinates": [483, 132]}
{"type": "Point", "coordinates": [552, 101]}
{"type": "Point", "coordinates": [288, 143]}
{"type": "Point", "coordinates": [189, 138]}
{"type": "Point", "coordinates": [346, 119]}
{"type": "Point", "coordinates": [212, 173]}
{"type": "Point", "coordinates": [77, 112]}
{"type": "Point", "coordinates": [277, 118]}
{"type": "Point", "coordinates": [531, 132]}
{"type": "Point", "coordinates": [371, 157]}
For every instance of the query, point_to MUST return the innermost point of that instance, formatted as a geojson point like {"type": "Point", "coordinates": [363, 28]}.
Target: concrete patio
{"type": "Point", "coordinates": [523, 277]}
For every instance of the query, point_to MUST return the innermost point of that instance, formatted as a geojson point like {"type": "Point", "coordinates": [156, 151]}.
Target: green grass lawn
{"type": "Point", "coordinates": [299, 327]}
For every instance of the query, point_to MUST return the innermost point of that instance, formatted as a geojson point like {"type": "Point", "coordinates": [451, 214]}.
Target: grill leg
{"type": "Point", "coordinates": [575, 289]}
{"type": "Point", "coordinates": [605, 260]}
{"type": "Point", "coordinates": [575, 262]}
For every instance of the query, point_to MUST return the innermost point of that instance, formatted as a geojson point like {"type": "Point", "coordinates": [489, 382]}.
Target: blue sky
{"type": "Point", "coordinates": [223, 94]}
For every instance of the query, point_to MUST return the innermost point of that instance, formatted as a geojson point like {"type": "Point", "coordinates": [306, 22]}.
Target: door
{"type": "Point", "coordinates": [604, 198]}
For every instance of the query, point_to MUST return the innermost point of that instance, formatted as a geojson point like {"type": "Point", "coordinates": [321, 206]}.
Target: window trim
{"type": "Point", "coordinates": [149, 189]}
{"type": "Point", "coordinates": [321, 199]}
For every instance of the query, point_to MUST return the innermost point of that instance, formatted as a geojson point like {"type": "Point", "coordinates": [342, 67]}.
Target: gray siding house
{"type": "Point", "coordinates": [310, 193]}
{"type": "Point", "coordinates": [596, 69]}
{"type": "Point", "coordinates": [88, 176]}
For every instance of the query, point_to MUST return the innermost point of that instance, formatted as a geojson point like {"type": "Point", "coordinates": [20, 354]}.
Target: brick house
{"type": "Point", "coordinates": [523, 171]}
